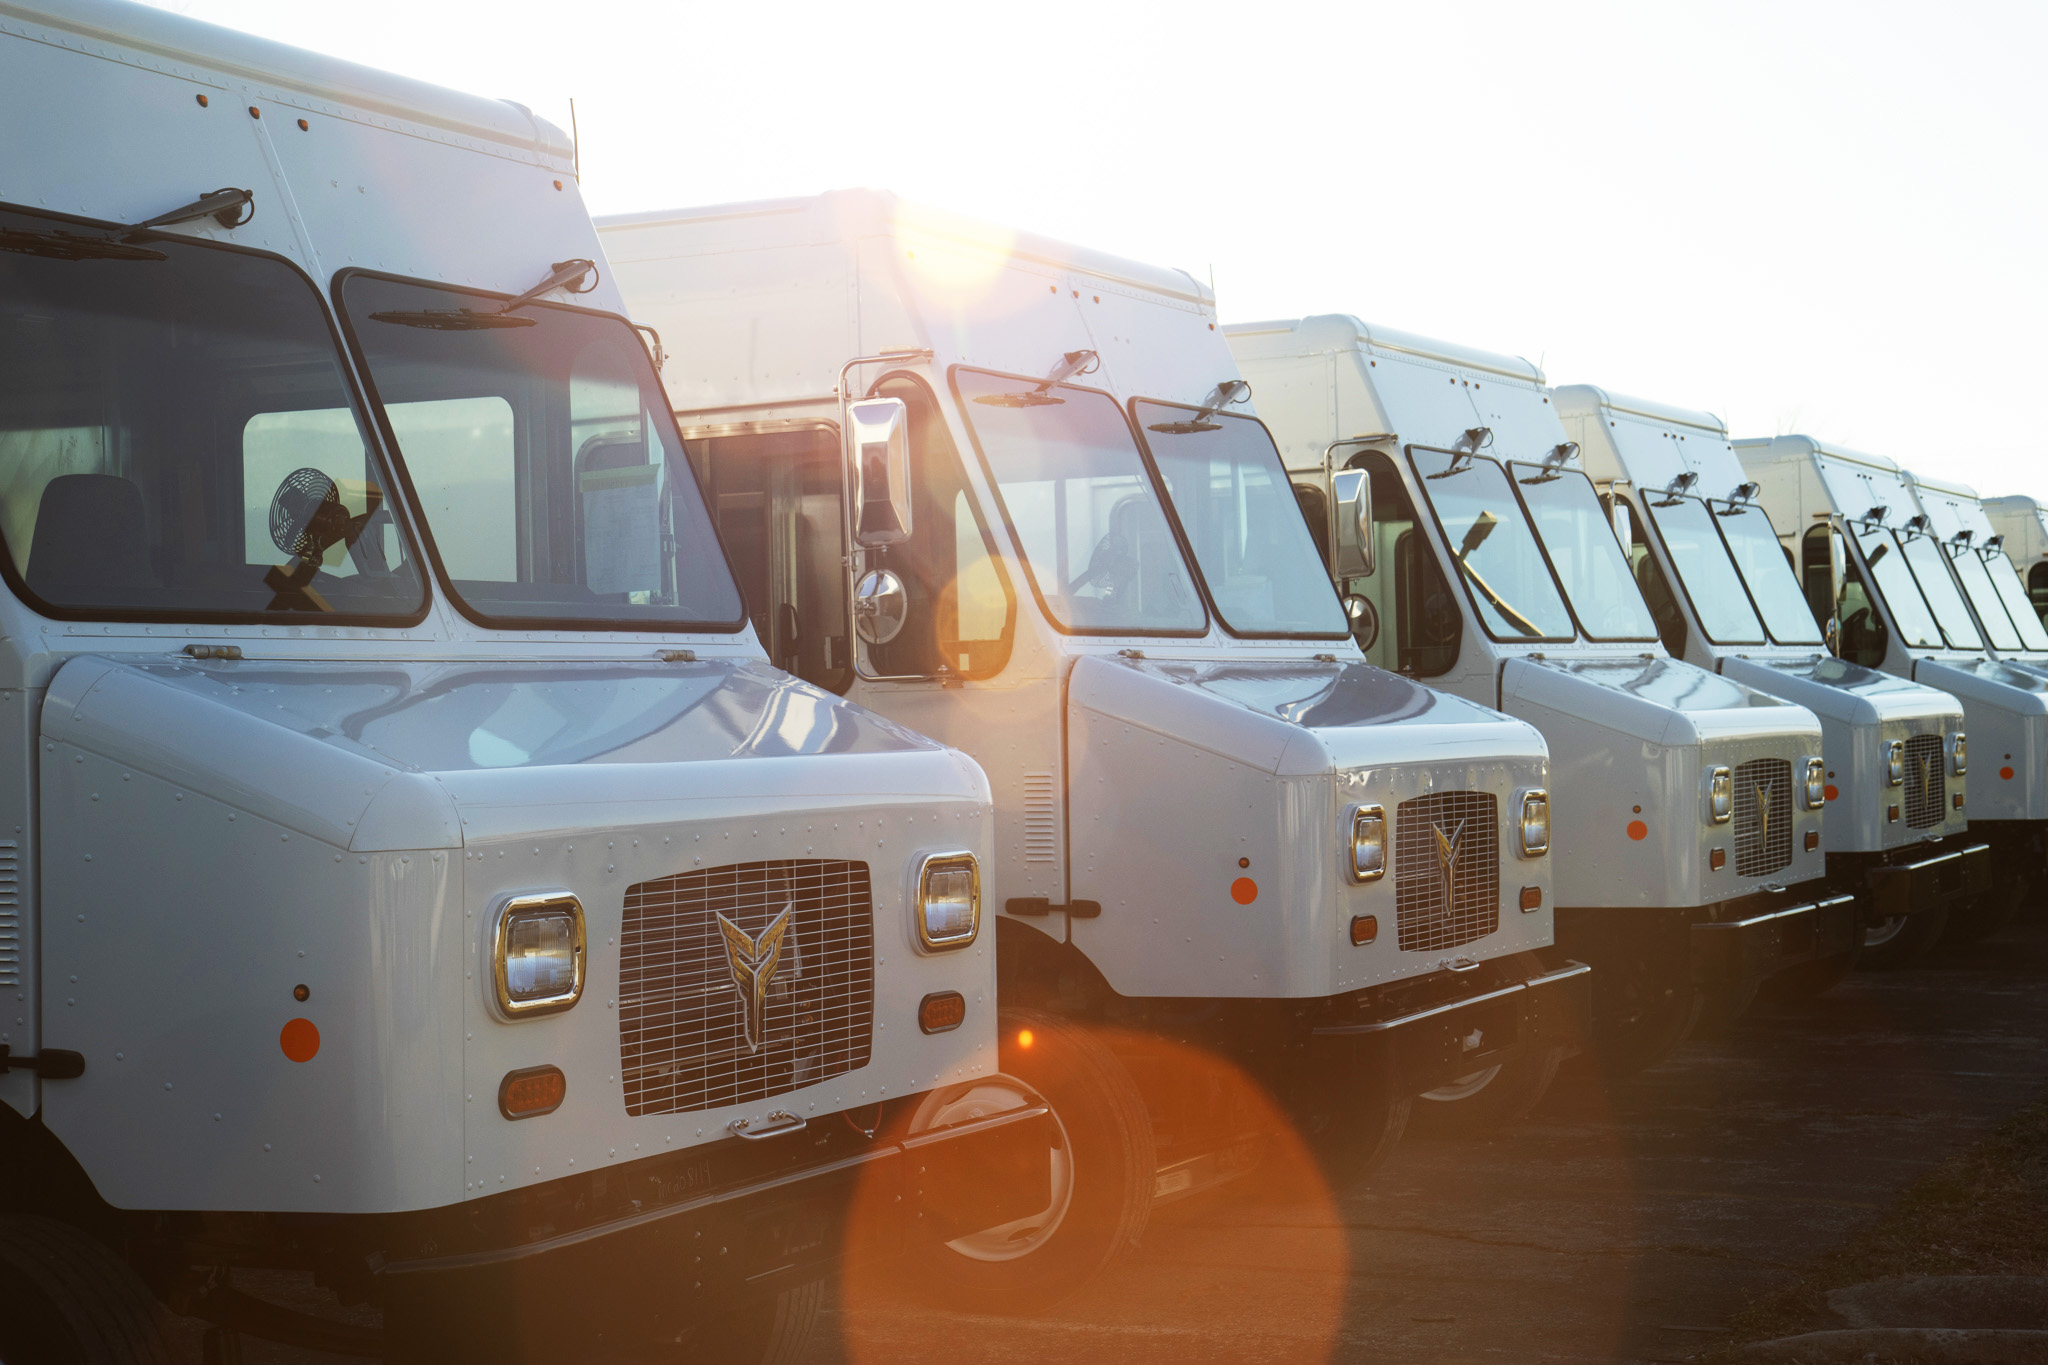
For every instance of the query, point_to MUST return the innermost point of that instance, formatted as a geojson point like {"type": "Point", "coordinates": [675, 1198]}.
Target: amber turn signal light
{"type": "Point", "coordinates": [1364, 929]}
{"type": "Point", "coordinates": [1891, 815]}
{"type": "Point", "coordinates": [1718, 859]}
{"type": "Point", "coordinates": [532, 1091]}
{"type": "Point", "coordinates": [1955, 802]}
{"type": "Point", "coordinates": [1532, 898]}
{"type": "Point", "coordinates": [1812, 840]}
{"type": "Point", "coordinates": [941, 1011]}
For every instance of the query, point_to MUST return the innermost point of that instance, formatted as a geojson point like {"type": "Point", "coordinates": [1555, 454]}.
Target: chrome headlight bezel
{"type": "Point", "coordinates": [1368, 833]}
{"type": "Point", "coordinates": [941, 939]}
{"type": "Point", "coordinates": [1895, 763]}
{"type": "Point", "coordinates": [1721, 795]}
{"type": "Point", "coordinates": [556, 906]}
{"type": "Point", "coordinates": [1959, 754]}
{"type": "Point", "coordinates": [1816, 783]}
{"type": "Point", "coordinates": [1534, 812]}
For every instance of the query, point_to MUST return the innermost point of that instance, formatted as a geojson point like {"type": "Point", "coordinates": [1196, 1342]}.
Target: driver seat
{"type": "Point", "coordinates": [90, 534]}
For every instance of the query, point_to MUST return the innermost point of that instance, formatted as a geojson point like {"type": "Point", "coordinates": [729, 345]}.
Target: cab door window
{"type": "Point", "coordinates": [1413, 624]}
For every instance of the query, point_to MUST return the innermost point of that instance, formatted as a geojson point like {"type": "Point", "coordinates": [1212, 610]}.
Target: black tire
{"type": "Point", "coordinates": [67, 1299]}
{"type": "Point", "coordinates": [1646, 1018]}
{"type": "Point", "coordinates": [1481, 1105]}
{"type": "Point", "coordinates": [1352, 1133]}
{"type": "Point", "coordinates": [1107, 1135]}
{"type": "Point", "coordinates": [1903, 939]}
{"type": "Point", "coordinates": [774, 1332]}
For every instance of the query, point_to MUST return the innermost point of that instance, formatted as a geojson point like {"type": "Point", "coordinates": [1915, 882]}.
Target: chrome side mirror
{"type": "Point", "coordinates": [1838, 562]}
{"type": "Point", "coordinates": [880, 606]}
{"type": "Point", "coordinates": [1351, 545]}
{"type": "Point", "coordinates": [1364, 619]}
{"type": "Point", "coordinates": [878, 436]}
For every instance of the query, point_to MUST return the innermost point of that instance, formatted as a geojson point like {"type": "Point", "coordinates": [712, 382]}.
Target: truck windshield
{"type": "Point", "coordinates": [1938, 585]}
{"type": "Point", "coordinates": [546, 462]}
{"type": "Point", "coordinates": [1768, 574]}
{"type": "Point", "coordinates": [1496, 552]}
{"type": "Point", "coordinates": [2006, 581]}
{"type": "Point", "coordinates": [1076, 493]}
{"type": "Point", "coordinates": [177, 439]}
{"type": "Point", "coordinates": [1255, 554]}
{"type": "Point", "coordinates": [1706, 571]}
{"type": "Point", "coordinates": [1991, 613]}
{"type": "Point", "coordinates": [1894, 582]}
{"type": "Point", "coordinates": [1582, 548]}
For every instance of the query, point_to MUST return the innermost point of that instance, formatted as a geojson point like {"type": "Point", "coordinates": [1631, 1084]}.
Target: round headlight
{"type": "Point", "coordinates": [1368, 844]}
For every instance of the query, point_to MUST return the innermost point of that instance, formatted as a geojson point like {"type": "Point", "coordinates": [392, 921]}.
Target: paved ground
{"type": "Point", "coordinates": [1621, 1225]}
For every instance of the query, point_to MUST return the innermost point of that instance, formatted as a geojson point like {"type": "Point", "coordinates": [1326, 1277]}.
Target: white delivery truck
{"type": "Point", "coordinates": [1874, 569]}
{"type": "Point", "coordinates": [1725, 597]}
{"type": "Point", "coordinates": [1690, 802]}
{"type": "Point", "coordinates": [2020, 527]}
{"type": "Point", "coordinates": [998, 488]}
{"type": "Point", "coordinates": [415, 874]}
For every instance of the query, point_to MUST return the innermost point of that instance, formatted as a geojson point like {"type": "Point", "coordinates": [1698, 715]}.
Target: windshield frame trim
{"type": "Point", "coordinates": [1983, 646]}
{"type": "Point", "coordinates": [1882, 598]}
{"type": "Point", "coordinates": [357, 395]}
{"type": "Point", "coordinates": [483, 620]}
{"type": "Point", "coordinates": [2019, 583]}
{"type": "Point", "coordinates": [1443, 540]}
{"type": "Point", "coordinates": [1016, 546]}
{"type": "Point", "coordinates": [1694, 619]}
{"type": "Point", "coordinates": [1187, 541]}
{"type": "Point", "coordinates": [1508, 466]}
{"type": "Point", "coordinates": [1720, 520]}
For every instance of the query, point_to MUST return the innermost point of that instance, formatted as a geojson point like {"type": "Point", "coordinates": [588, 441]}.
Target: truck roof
{"type": "Point", "coordinates": [1797, 446]}
{"type": "Point", "coordinates": [1646, 443]}
{"type": "Point", "coordinates": [174, 39]}
{"type": "Point", "coordinates": [1574, 398]}
{"type": "Point", "coordinates": [1343, 332]}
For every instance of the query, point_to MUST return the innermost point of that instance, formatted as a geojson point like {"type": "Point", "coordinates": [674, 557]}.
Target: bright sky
{"type": "Point", "coordinates": [1820, 217]}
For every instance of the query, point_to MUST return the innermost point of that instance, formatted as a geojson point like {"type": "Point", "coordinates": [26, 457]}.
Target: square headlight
{"type": "Point", "coordinates": [1959, 754]}
{"type": "Point", "coordinates": [948, 901]}
{"type": "Point", "coordinates": [1535, 827]}
{"type": "Point", "coordinates": [537, 954]}
{"type": "Point", "coordinates": [1721, 795]}
{"type": "Point", "coordinates": [1816, 783]}
{"type": "Point", "coordinates": [1895, 763]}
{"type": "Point", "coordinates": [1368, 861]}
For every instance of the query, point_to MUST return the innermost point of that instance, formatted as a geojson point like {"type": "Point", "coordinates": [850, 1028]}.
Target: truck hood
{"type": "Point", "coordinates": [378, 756]}
{"type": "Point", "coordinates": [1843, 691]}
{"type": "Point", "coordinates": [1657, 699]}
{"type": "Point", "coordinates": [1992, 681]}
{"type": "Point", "coordinates": [1299, 717]}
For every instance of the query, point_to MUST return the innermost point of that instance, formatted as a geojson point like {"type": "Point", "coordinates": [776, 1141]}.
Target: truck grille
{"type": "Point", "coordinates": [1926, 781]}
{"type": "Point", "coordinates": [689, 1037]}
{"type": "Point", "coordinates": [1446, 870]}
{"type": "Point", "coordinates": [1763, 816]}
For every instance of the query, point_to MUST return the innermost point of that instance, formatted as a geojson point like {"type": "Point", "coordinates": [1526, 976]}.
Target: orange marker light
{"type": "Point", "coordinates": [1638, 831]}
{"type": "Point", "coordinates": [2005, 773]}
{"type": "Point", "coordinates": [1829, 793]}
{"type": "Point", "coordinates": [300, 1040]}
{"type": "Point", "coordinates": [1812, 840]}
{"type": "Point", "coordinates": [941, 1011]}
{"type": "Point", "coordinates": [1244, 890]}
{"type": "Point", "coordinates": [1364, 929]}
{"type": "Point", "coordinates": [1532, 898]}
{"type": "Point", "coordinates": [532, 1091]}
{"type": "Point", "coordinates": [1718, 859]}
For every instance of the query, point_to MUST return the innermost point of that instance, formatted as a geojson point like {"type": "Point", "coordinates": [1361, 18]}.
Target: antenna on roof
{"type": "Point", "coordinates": [575, 144]}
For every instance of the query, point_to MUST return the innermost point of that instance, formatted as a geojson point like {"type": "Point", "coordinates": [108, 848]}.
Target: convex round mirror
{"type": "Point", "coordinates": [880, 606]}
{"type": "Point", "coordinates": [1364, 619]}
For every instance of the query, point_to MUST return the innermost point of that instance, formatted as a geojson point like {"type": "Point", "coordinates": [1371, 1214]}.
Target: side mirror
{"type": "Point", "coordinates": [1838, 562]}
{"type": "Point", "coordinates": [1351, 542]}
{"type": "Point", "coordinates": [878, 435]}
{"type": "Point", "coordinates": [1364, 619]}
{"type": "Point", "coordinates": [880, 606]}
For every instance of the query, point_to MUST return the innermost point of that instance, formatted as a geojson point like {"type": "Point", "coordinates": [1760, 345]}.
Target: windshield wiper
{"type": "Point", "coordinates": [561, 275]}
{"type": "Point", "coordinates": [1071, 364]}
{"type": "Point", "coordinates": [70, 246]}
{"type": "Point", "coordinates": [1222, 396]}
{"type": "Point", "coordinates": [1475, 536]}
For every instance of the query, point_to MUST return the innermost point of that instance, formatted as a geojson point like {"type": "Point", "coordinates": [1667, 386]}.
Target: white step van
{"type": "Point", "coordinates": [2021, 525]}
{"type": "Point", "coordinates": [1688, 803]}
{"type": "Point", "coordinates": [1068, 550]}
{"type": "Point", "coordinates": [1725, 597]}
{"type": "Point", "coordinates": [1873, 564]}
{"type": "Point", "coordinates": [415, 873]}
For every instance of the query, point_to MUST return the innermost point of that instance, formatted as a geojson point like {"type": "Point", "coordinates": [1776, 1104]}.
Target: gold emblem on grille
{"type": "Point", "coordinates": [1763, 815]}
{"type": "Point", "coordinates": [753, 962]}
{"type": "Point", "coordinates": [1447, 851]}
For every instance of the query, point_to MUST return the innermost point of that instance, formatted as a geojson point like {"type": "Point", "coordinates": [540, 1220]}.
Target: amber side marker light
{"type": "Point", "coordinates": [1718, 859]}
{"type": "Point", "coordinates": [1364, 929]}
{"type": "Point", "coordinates": [1532, 898]}
{"type": "Point", "coordinates": [1812, 840]}
{"type": "Point", "coordinates": [532, 1091]}
{"type": "Point", "coordinates": [942, 1012]}
{"type": "Point", "coordinates": [1955, 802]}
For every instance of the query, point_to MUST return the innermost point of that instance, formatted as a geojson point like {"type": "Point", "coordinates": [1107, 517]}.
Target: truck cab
{"type": "Point", "coordinates": [1726, 598]}
{"type": "Point", "coordinates": [2021, 524]}
{"type": "Point", "coordinates": [1691, 801]}
{"type": "Point", "coordinates": [1873, 562]}
{"type": "Point", "coordinates": [1006, 490]}
{"type": "Point", "coordinates": [416, 872]}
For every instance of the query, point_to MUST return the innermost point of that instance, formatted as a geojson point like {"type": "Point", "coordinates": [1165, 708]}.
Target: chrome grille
{"type": "Point", "coordinates": [1763, 816]}
{"type": "Point", "coordinates": [1432, 909]}
{"type": "Point", "coordinates": [683, 1028]}
{"type": "Point", "coordinates": [1926, 781]}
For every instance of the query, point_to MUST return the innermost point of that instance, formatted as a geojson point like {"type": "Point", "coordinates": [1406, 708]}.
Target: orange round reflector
{"type": "Point", "coordinates": [2005, 773]}
{"type": "Point", "coordinates": [532, 1091]}
{"type": "Point", "coordinates": [1364, 929]}
{"type": "Point", "coordinates": [941, 1011]}
{"type": "Point", "coordinates": [1638, 831]}
{"type": "Point", "coordinates": [1828, 793]}
{"type": "Point", "coordinates": [299, 1039]}
{"type": "Point", "coordinates": [1244, 890]}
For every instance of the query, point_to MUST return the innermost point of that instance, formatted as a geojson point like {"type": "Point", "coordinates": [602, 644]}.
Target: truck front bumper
{"type": "Point", "coordinates": [1927, 883]}
{"type": "Point", "coordinates": [1430, 1045]}
{"type": "Point", "coordinates": [1773, 932]}
{"type": "Point", "coordinates": [741, 1231]}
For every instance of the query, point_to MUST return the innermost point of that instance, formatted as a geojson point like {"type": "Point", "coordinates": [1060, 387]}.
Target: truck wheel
{"type": "Point", "coordinates": [67, 1299]}
{"type": "Point", "coordinates": [1352, 1133]}
{"type": "Point", "coordinates": [1645, 1018]}
{"type": "Point", "coordinates": [774, 1332]}
{"type": "Point", "coordinates": [1902, 939]}
{"type": "Point", "coordinates": [1100, 1194]}
{"type": "Point", "coordinates": [1489, 1100]}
